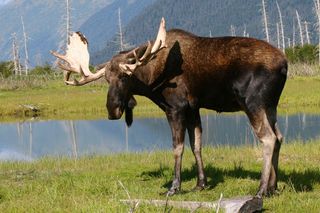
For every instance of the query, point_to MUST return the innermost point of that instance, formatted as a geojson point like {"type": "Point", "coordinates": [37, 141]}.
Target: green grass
{"type": "Point", "coordinates": [91, 184]}
{"type": "Point", "coordinates": [57, 101]}
{"type": "Point", "coordinates": [301, 94]}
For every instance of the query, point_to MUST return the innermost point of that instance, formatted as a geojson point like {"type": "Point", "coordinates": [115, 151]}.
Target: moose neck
{"type": "Point", "coordinates": [146, 82]}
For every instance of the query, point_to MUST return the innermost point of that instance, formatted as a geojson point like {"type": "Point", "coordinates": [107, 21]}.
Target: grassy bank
{"type": "Point", "coordinates": [301, 94]}
{"type": "Point", "coordinates": [91, 184]}
{"type": "Point", "coordinates": [54, 100]}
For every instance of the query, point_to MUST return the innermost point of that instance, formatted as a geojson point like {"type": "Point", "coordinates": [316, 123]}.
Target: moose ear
{"type": "Point", "coordinates": [129, 111]}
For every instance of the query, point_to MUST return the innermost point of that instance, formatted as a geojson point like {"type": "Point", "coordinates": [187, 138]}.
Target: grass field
{"type": "Point", "coordinates": [57, 101]}
{"type": "Point", "coordinates": [91, 184]}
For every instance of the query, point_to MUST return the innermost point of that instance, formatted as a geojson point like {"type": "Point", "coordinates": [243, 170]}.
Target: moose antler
{"type": "Point", "coordinates": [76, 60]}
{"type": "Point", "coordinates": [150, 52]}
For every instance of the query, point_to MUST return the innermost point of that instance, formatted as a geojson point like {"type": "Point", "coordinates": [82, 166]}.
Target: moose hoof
{"type": "Point", "coordinates": [172, 192]}
{"type": "Point", "coordinates": [261, 193]}
{"type": "Point", "coordinates": [201, 184]}
{"type": "Point", "coordinates": [198, 188]}
{"type": "Point", "coordinates": [272, 191]}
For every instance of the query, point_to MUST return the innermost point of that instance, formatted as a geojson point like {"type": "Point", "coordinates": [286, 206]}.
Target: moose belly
{"type": "Point", "coordinates": [220, 103]}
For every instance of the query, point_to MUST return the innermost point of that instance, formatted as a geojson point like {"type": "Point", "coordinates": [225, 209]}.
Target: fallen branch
{"type": "Point", "coordinates": [133, 204]}
{"type": "Point", "coordinates": [241, 204]}
{"type": "Point", "coordinates": [30, 107]}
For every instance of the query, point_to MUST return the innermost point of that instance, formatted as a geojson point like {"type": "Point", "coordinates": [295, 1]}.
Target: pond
{"type": "Point", "coordinates": [35, 139]}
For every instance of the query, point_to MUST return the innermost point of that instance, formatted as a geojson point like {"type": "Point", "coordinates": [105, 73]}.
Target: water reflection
{"type": "Point", "coordinates": [32, 140]}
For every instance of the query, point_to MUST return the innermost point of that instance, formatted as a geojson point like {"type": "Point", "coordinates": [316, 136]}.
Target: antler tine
{"type": "Point", "coordinates": [66, 67]}
{"type": "Point", "coordinates": [77, 60]}
{"type": "Point", "coordinates": [161, 37]}
{"type": "Point", "coordinates": [149, 53]}
{"type": "Point", "coordinates": [136, 58]}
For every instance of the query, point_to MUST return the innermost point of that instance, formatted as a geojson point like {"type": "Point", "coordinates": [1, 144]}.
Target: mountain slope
{"type": "Point", "coordinates": [213, 15]}
{"type": "Point", "coordinates": [43, 23]}
{"type": "Point", "coordinates": [103, 25]}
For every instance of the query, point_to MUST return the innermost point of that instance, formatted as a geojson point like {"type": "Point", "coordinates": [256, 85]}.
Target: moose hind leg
{"type": "Point", "coordinates": [195, 132]}
{"type": "Point", "coordinates": [272, 185]}
{"type": "Point", "coordinates": [267, 137]}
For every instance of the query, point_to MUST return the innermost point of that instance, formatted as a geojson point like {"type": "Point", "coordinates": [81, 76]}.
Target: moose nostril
{"type": "Point", "coordinates": [118, 112]}
{"type": "Point", "coordinates": [115, 114]}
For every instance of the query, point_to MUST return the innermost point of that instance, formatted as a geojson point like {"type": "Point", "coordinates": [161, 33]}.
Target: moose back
{"type": "Point", "coordinates": [181, 73]}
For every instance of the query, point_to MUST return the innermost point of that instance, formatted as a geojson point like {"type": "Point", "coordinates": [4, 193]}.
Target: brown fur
{"type": "Point", "coordinates": [224, 74]}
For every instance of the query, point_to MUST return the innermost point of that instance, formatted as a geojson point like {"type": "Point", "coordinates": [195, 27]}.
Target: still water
{"type": "Point", "coordinates": [35, 139]}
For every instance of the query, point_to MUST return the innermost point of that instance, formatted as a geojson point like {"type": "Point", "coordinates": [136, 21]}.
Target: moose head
{"type": "Point", "coordinates": [117, 71]}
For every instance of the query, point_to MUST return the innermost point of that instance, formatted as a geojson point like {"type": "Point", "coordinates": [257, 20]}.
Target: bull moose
{"type": "Point", "coordinates": [181, 73]}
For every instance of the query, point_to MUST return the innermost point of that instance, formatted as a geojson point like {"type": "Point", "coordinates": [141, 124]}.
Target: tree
{"type": "Point", "coordinates": [300, 28]}
{"type": "Point", "coordinates": [302, 54]}
{"type": "Point", "coordinates": [16, 55]}
{"type": "Point", "coordinates": [26, 59]}
{"type": "Point", "coordinates": [65, 30]}
{"type": "Point", "coordinates": [6, 68]}
{"type": "Point", "coordinates": [120, 38]}
{"type": "Point", "coordinates": [281, 26]}
{"type": "Point", "coordinates": [317, 11]}
{"type": "Point", "coordinates": [307, 32]}
{"type": "Point", "coordinates": [265, 20]}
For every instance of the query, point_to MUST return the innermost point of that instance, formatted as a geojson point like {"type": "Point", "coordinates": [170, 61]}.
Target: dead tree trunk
{"type": "Point", "coordinates": [120, 30]}
{"type": "Point", "coordinates": [265, 20]}
{"type": "Point", "coordinates": [293, 33]}
{"type": "Point", "coordinates": [26, 60]}
{"type": "Point", "coordinates": [278, 36]}
{"type": "Point", "coordinates": [232, 30]}
{"type": "Point", "coordinates": [307, 32]}
{"type": "Point", "coordinates": [15, 55]}
{"type": "Point", "coordinates": [317, 11]}
{"type": "Point", "coordinates": [300, 28]}
{"type": "Point", "coordinates": [281, 27]}
{"type": "Point", "coordinates": [233, 205]}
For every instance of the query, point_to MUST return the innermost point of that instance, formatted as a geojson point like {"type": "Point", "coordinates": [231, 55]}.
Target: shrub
{"type": "Point", "coordinates": [42, 70]}
{"type": "Point", "coordinates": [305, 54]}
{"type": "Point", "coordinates": [6, 69]}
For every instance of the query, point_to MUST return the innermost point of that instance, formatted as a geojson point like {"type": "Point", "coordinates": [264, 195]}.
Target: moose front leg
{"type": "Point", "coordinates": [178, 128]}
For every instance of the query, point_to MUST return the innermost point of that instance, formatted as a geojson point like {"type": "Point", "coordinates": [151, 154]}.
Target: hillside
{"type": "Point", "coordinates": [103, 25]}
{"type": "Point", "coordinates": [43, 22]}
{"type": "Point", "coordinates": [140, 18]}
{"type": "Point", "coordinates": [212, 15]}
{"type": "Point", "coordinates": [97, 19]}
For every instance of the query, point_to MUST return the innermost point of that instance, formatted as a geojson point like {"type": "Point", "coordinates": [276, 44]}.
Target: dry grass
{"type": "Point", "coordinates": [303, 69]}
